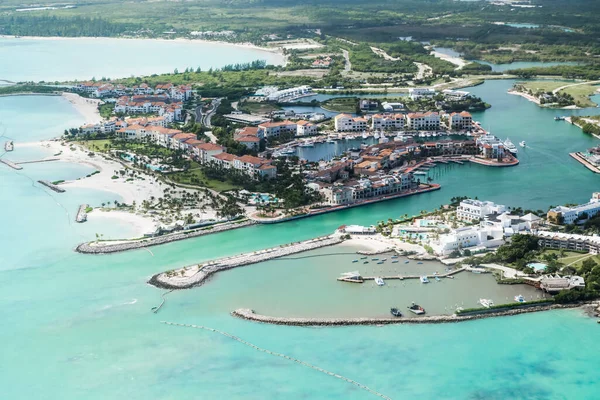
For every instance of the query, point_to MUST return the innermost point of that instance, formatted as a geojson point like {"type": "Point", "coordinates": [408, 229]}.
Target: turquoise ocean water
{"type": "Point", "coordinates": [78, 326]}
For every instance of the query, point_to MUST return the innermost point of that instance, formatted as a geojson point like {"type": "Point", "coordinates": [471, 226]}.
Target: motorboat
{"type": "Point", "coordinates": [487, 303]}
{"type": "Point", "coordinates": [416, 309]}
{"type": "Point", "coordinates": [379, 281]}
{"type": "Point", "coordinates": [395, 312]}
{"type": "Point", "coordinates": [520, 299]}
{"type": "Point", "coordinates": [379, 262]}
{"type": "Point", "coordinates": [522, 143]}
{"type": "Point", "coordinates": [450, 276]}
{"type": "Point", "coordinates": [420, 262]}
{"type": "Point", "coordinates": [394, 257]}
{"type": "Point", "coordinates": [437, 278]}
{"type": "Point", "coordinates": [354, 261]}
{"type": "Point", "coordinates": [365, 136]}
{"type": "Point", "coordinates": [508, 145]}
{"type": "Point", "coordinates": [394, 261]}
{"type": "Point", "coordinates": [376, 135]}
{"type": "Point", "coordinates": [406, 262]}
{"type": "Point", "coordinates": [365, 262]}
{"type": "Point", "coordinates": [363, 258]}
{"type": "Point", "coordinates": [557, 118]}
{"type": "Point", "coordinates": [374, 259]}
{"type": "Point", "coordinates": [383, 259]}
{"type": "Point", "coordinates": [424, 279]}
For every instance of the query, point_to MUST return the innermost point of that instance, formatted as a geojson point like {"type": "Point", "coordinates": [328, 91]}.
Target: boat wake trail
{"type": "Point", "coordinates": [360, 385]}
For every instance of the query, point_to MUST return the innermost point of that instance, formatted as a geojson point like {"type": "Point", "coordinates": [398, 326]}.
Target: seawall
{"type": "Point", "coordinates": [190, 276]}
{"type": "Point", "coordinates": [52, 186]}
{"type": "Point", "coordinates": [250, 315]}
{"type": "Point", "coordinates": [106, 248]}
{"type": "Point", "coordinates": [81, 213]}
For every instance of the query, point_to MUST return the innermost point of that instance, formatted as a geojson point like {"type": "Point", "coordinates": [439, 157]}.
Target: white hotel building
{"type": "Point", "coordinates": [574, 214]}
{"type": "Point", "coordinates": [470, 210]}
{"type": "Point", "coordinates": [388, 121]}
{"type": "Point", "coordinates": [348, 123]}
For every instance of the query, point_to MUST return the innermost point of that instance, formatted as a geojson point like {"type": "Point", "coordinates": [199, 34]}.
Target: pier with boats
{"type": "Point", "coordinates": [356, 277]}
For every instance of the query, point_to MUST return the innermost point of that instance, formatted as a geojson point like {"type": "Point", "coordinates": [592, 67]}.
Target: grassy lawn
{"type": "Point", "coordinates": [258, 108]}
{"type": "Point", "coordinates": [581, 94]}
{"type": "Point", "coordinates": [573, 257]}
{"type": "Point", "coordinates": [546, 86]}
{"type": "Point", "coordinates": [195, 176]}
{"type": "Point", "coordinates": [94, 145]}
{"type": "Point", "coordinates": [341, 104]}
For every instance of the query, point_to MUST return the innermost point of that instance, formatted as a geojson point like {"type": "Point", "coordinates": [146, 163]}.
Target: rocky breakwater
{"type": "Point", "coordinates": [105, 247]}
{"type": "Point", "coordinates": [250, 315]}
{"type": "Point", "coordinates": [194, 275]}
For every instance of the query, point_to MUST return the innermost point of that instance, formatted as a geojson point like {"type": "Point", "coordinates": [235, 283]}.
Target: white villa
{"type": "Point", "coordinates": [469, 210]}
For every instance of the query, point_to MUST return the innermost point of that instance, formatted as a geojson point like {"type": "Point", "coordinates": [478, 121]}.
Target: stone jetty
{"type": "Point", "coordinates": [250, 315]}
{"type": "Point", "coordinates": [52, 186]}
{"type": "Point", "coordinates": [375, 252]}
{"type": "Point", "coordinates": [194, 275]}
{"type": "Point", "coordinates": [10, 164]}
{"type": "Point", "coordinates": [81, 213]}
{"type": "Point", "coordinates": [105, 247]}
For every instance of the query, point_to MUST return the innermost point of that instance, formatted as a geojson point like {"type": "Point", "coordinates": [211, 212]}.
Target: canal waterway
{"type": "Point", "coordinates": [80, 326]}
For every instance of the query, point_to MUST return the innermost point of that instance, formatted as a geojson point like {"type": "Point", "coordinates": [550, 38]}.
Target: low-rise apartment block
{"type": "Point", "coordinates": [348, 123]}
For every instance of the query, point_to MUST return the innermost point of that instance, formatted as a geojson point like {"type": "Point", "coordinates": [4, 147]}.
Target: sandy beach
{"type": "Point", "coordinates": [526, 96]}
{"type": "Point", "coordinates": [88, 108]}
{"type": "Point", "coordinates": [140, 224]}
{"type": "Point", "coordinates": [379, 243]}
{"type": "Point", "coordinates": [459, 62]}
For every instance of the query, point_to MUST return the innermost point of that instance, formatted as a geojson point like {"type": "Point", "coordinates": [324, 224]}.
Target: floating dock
{"type": "Point", "coordinates": [52, 186]}
{"type": "Point", "coordinates": [10, 164]}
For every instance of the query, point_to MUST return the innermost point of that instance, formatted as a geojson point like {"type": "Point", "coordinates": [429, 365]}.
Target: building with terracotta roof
{"type": "Point", "coordinates": [423, 121]}
{"type": "Point", "coordinates": [305, 128]}
{"type": "Point", "coordinates": [204, 151]}
{"type": "Point", "coordinates": [461, 121]}
{"type": "Point", "coordinates": [385, 122]}
{"type": "Point", "coordinates": [348, 123]}
{"type": "Point", "coordinates": [275, 129]}
{"type": "Point", "coordinates": [251, 142]}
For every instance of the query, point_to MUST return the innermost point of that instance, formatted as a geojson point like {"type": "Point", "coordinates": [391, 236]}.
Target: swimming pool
{"type": "Point", "coordinates": [538, 266]}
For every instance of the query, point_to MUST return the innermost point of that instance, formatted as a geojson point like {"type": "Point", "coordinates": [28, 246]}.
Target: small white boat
{"type": "Point", "coordinates": [522, 143]}
{"type": "Point", "coordinates": [520, 299]}
{"type": "Point", "coordinates": [365, 136]}
{"type": "Point", "coordinates": [376, 135]}
{"type": "Point", "coordinates": [437, 278]}
{"type": "Point", "coordinates": [487, 303]}
{"type": "Point", "coordinates": [379, 281]}
{"type": "Point", "coordinates": [424, 279]}
{"type": "Point", "coordinates": [416, 309]}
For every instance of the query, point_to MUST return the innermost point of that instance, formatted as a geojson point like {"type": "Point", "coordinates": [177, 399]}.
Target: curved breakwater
{"type": "Point", "coordinates": [250, 315]}
{"type": "Point", "coordinates": [187, 277]}
{"type": "Point", "coordinates": [107, 247]}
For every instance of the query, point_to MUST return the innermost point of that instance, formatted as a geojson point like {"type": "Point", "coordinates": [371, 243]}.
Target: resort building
{"type": "Point", "coordinates": [391, 107]}
{"type": "Point", "coordinates": [470, 210]}
{"type": "Point", "coordinates": [423, 121]}
{"type": "Point", "coordinates": [255, 167]}
{"type": "Point", "coordinates": [417, 93]}
{"type": "Point", "coordinates": [455, 95]}
{"type": "Point", "coordinates": [205, 151]}
{"type": "Point", "coordinates": [348, 123]}
{"type": "Point", "coordinates": [275, 129]}
{"type": "Point", "coordinates": [388, 121]}
{"type": "Point", "coordinates": [491, 147]}
{"type": "Point", "coordinates": [158, 104]}
{"type": "Point", "coordinates": [568, 241]}
{"type": "Point", "coordinates": [461, 121]}
{"type": "Point", "coordinates": [289, 94]}
{"type": "Point", "coordinates": [556, 283]}
{"type": "Point", "coordinates": [575, 214]}
{"type": "Point", "coordinates": [305, 128]}
{"type": "Point", "coordinates": [473, 237]}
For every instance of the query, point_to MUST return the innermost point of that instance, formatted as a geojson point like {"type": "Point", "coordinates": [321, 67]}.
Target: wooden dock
{"type": "Point", "coordinates": [400, 277]}
{"type": "Point", "coordinates": [10, 164]}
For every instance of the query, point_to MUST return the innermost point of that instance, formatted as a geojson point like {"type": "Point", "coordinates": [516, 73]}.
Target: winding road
{"type": "Point", "coordinates": [348, 64]}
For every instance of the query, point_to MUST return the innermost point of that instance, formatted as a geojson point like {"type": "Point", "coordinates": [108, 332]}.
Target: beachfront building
{"type": "Point", "coordinates": [391, 107]}
{"type": "Point", "coordinates": [205, 151]}
{"type": "Point", "coordinates": [305, 128]}
{"type": "Point", "coordinates": [417, 93]}
{"type": "Point", "coordinates": [556, 283]}
{"type": "Point", "coordinates": [386, 122]}
{"type": "Point", "coordinates": [276, 129]}
{"type": "Point", "coordinates": [158, 104]}
{"type": "Point", "coordinates": [462, 121]}
{"type": "Point", "coordinates": [423, 121]}
{"type": "Point", "coordinates": [289, 94]}
{"type": "Point", "coordinates": [471, 238]}
{"type": "Point", "coordinates": [470, 210]}
{"type": "Point", "coordinates": [569, 241]}
{"type": "Point", "coordinates": [575, 214]}
{"type": "Point", "coordinates": [348, 123]}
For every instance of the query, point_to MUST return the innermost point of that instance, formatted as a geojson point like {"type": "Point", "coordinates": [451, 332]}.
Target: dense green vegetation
{"type": "Point", "coordinates": [586, 127]}
{"type": "Point", "coordinates": [26, 88]}
{"type": "Point", "coordinates": [587, 72]}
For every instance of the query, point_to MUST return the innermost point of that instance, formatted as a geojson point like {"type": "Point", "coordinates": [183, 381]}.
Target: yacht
{"type": "Point", "coordinates": [559, 118]}
{"type": "Point", "coordinates": [424, 279]}
{"type": "Point", "coordinates": [508, 145]}
{"type": "Point", "coordinates": [522, 144]}
{"type": "Point", "coordinates": [487, 303]}
{"type": "Point", "coordinates": [365, 136]}
{"type": "Point", "coordinates": [395, 312]}
{"type": "Point", "coordinates": [379, 281]}
{"type": "Point", "coordinates": [416, 309]}
{"type": "Point", "coordinates": [520, 299]}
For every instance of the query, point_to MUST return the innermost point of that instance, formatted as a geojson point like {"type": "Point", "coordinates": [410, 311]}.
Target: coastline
{"type": "Point", "coordinates": [140, 224]}
{"type": "Point", "coordinates": [88, 108]}
{"type": "Point", "coordinates": [459, 62]}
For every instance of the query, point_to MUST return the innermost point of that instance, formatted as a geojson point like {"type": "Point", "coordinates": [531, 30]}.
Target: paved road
{"type": "Point", "coordinates": [347, 65]}
{"type": "Point", "coordinates": [206, 120]}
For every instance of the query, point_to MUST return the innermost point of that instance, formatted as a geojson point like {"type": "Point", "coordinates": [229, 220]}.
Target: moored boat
{"type": "Point", "coordinates": [424, 279]}
{"type": "Point", "coordinates": [508, 145]}
{"type": "Point", "coordinates": [437, 278]}
{"type": "Point", "coordinates": [394, 261]}
{"type": "Point", "coordinates": [487, 303]}
{"type": "Point", "coordinates": [379, 281]}
{"type": "Point", "coordinates": [520, 299]}
{"type": "Point", "coordinates": [416, 309]}
{"type": "Point", "coordinates": [522, 144]}
{"type": "Point", "coordinates": [395, 312]}
{"type": "Point", "coordinates": [354, 261]}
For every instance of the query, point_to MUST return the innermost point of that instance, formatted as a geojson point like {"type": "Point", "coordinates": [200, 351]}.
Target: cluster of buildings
{"type": "Point", "coordinates": [495, 225]}
{"type": "Point", "coordinates": [430, 121]}
{"type": "Point", "coordinates": [104, 89]}
{"type": "Point", "coordinates": [450, 95]}
{"type": "Point", "coordinates": [150, 104]}
{"type": "Point", "coordinates": [322, 62]}
{"type": "Point", "coordinates": [114, 124]}
{"type": "Point", "coordinates": [272, 93]}
{"type": "Point", "coordinates": [575, 214]}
